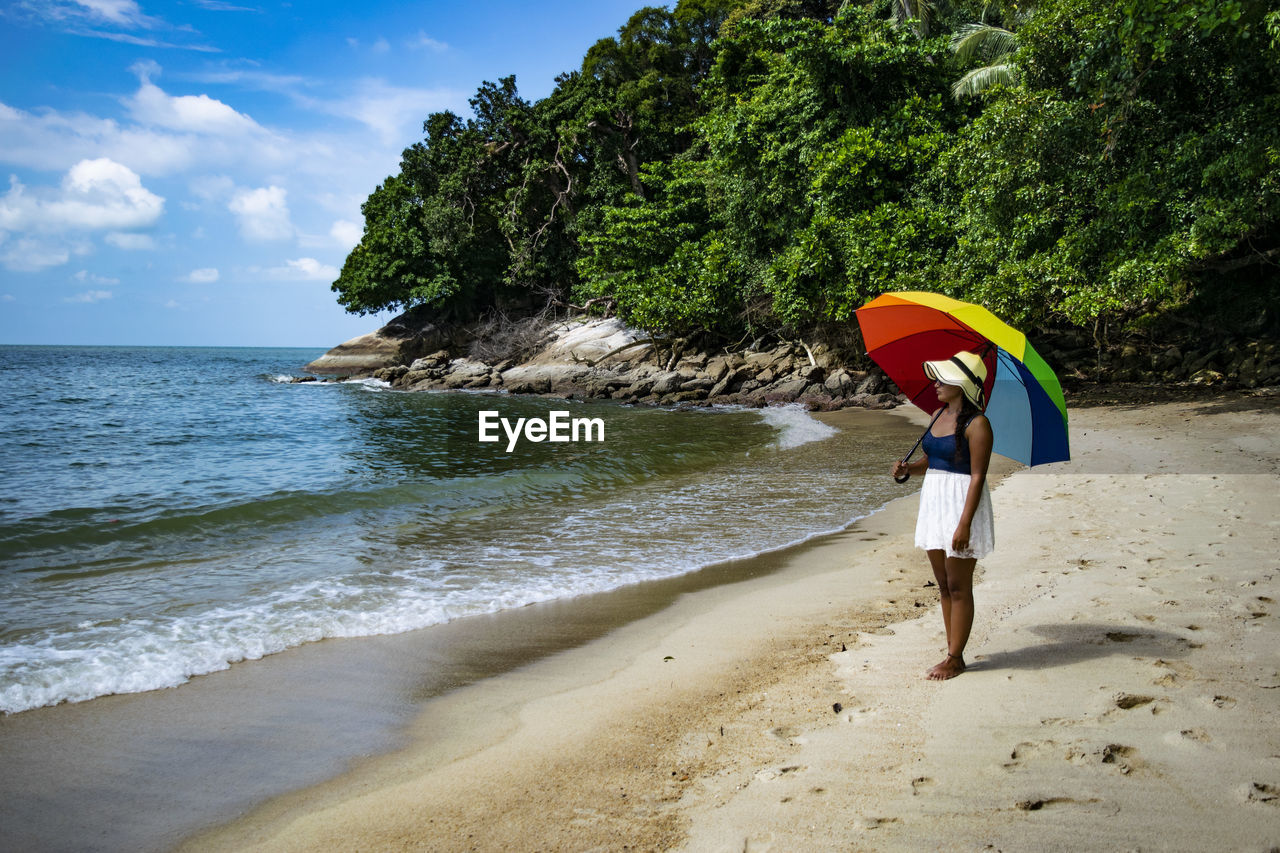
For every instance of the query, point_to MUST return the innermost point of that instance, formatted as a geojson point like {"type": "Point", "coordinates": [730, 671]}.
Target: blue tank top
{"type": "Point", "coordinates": [942, 453]}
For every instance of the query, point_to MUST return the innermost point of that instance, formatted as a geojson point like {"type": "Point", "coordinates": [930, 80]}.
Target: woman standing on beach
{"type": "Point", "coordinates": [954, 525]}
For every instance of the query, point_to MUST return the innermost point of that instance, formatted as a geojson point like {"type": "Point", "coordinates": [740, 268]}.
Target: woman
{"type": "Point", "coordinates": [954, 525]}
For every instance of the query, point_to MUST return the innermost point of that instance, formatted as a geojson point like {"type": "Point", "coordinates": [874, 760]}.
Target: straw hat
{"type": "Point", "coordinates": [964, 369]}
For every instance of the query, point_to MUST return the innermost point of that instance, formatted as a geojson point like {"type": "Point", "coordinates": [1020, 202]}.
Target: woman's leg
{"type": "Point", "coordinates": [957, 595]}
{"type": "Point", "coordinates": [938, 561]}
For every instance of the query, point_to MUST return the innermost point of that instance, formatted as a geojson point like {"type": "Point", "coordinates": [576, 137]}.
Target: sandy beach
{"type": "Point", "coordinates": [1122, 691]}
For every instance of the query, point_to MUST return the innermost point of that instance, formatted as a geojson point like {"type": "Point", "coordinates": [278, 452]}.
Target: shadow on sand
{"type": "Point", "coordinates": [1082, 641]}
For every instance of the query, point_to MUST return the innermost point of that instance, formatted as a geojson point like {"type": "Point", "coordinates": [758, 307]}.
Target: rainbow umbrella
{"type": "Point", "coordinates": [1024, 398]}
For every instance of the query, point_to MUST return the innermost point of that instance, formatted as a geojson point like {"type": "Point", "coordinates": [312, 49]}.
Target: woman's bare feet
{"type": "Point", "coordinates": [950, 667]}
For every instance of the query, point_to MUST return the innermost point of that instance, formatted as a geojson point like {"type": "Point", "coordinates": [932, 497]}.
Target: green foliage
{"type": "Point", "coordinates": [1128, 180]}
{"type": "Point", "coordinates": [766, 166]}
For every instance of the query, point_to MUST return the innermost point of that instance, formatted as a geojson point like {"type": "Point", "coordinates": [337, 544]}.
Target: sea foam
{"type": "Point", "coordinates": [795, 425]}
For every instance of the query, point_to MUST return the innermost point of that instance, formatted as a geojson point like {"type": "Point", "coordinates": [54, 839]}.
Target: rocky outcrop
{"type": "Point", "coordinates": [398, 343]}
{"type": "Point", "coordinates": [1219, 361]}
{"type": "Point", "coordinates": [604, 359]}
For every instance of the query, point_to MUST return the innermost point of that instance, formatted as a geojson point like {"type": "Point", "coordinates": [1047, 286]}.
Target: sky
{"type": "Point", "coordinates": [191, 172]}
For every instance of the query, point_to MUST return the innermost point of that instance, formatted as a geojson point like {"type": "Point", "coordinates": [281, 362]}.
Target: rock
{"type": "Point", "coordinates": [667, 382]}
{"type": "Point", "coordinates": [725, 383]}
{"type": "Point", "coordinates": [401, 341]}
{"type": "Point", "coordinates": [589, 340]}
{"type": "Point", "coordinates": [766, 376]}
{"type": "Point", "coordinates": [717, 368]}
{"type": "Point", "coordinates": [787, 390]}
{"type": "Point", "coordinates": [1207, 377]}
{"type": "Point", "coordinates": [683, 397]}
{"type": "Point", "coordinates": [436, 359]}
{"type": "Point", "coordinates": [639, 388]}
{"type": "Point", "coordinates": [869, 385]}
{"type": "Point", "coordinates": [839, 383]}
{"type": "Point", "coordinates": [1168, 360]}
{"type": "Point", "coordinates": [810, 373]}
{"type": "Point", "coordinates": [546, 378]}
{"type": "Point", "coordinates": [699, 383]}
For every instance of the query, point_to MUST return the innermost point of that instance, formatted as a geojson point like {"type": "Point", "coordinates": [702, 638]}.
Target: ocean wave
{"type": "Point", "coordinates": [795, 425]}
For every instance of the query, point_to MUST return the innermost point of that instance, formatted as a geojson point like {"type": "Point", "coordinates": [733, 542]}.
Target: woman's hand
{"type": "Point", "coordinates": [899, 469]}
{"type": "Point", "coordinates": [960, 539]}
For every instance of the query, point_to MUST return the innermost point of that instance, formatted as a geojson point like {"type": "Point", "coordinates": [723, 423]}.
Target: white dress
{"type": "Point", "coordinates": [942, 500]}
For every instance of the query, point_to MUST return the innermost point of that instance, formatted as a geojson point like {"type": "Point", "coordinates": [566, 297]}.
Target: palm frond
{"type": "Point", "coordinates": [917, 10]}
{"type": "Point", "coordinates": [982, 40]}
{"type": "Point", "coordinates": [981, 79]}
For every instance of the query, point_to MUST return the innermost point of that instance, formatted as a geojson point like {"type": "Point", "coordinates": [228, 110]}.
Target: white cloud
{"type": "Point", "coordinates": [48, 140]}
{"type": "Point", "coordinates": [301, 269]}
{"type": "Point", "coordinates": [119, 13]}
{"type": "Point", "coordinates": [381, 46]}
{"type": "Point", "coordinates": [346, 234]}
{"type": "Point", "coordinates": [95, 194]}
{"type": "Point", "coordinates": [89, 296]}
{"type": "Point", "coordinates": [200, 114]}
{"type": "Point", "coordinates": [131, 242]}
{"type": "Point", "coordinates": [30, 255]}
{"type": "Point", "coordinates": [425, 41]}
{"type": "Point", "coordinates": [205, 275]}
{"type": "Point", "coordinates": [92, 278]}
{"type": "Point", "coordinates": [394, 112]}
{"type": "Point", "coordinates": [218, 6]}
{"type": "Point", "coordinates": [263, 213]}
{"type": "Point", "coordinates": [213, 188]}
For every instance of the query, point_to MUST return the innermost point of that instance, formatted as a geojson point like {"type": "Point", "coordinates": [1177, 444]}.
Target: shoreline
{"type": "Point", "coordinates": [181, 760]}
{"type": "Point", "coordinates": [1109, 682]}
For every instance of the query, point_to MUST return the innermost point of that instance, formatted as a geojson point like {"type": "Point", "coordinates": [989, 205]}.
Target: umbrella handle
{"type": "Point", "coordinates": [906, 475]}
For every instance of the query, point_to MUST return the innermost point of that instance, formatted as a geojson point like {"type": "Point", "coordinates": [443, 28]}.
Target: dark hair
{"type": "Point", "coordinates": [968, 411]}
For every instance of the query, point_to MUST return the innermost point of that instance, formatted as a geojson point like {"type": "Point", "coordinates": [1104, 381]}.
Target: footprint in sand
{"type": "Point", "coordinates": [771, 773]}
{"type": "Point", "coordinates": [1175, 672]}
{"type": "Point", "coordinates": [1126, 702]}
{"type": "Point", "coordinates": [1224, 702]}
{"type": "Point", "coordinates": [1124, 758]}
{"type": "Point", "coordinates": [921, 784]}
{"type": "Point", "coordinates": [1029, 750]}
{"type": "Point", "coordinates": [783, 733]}
{"type": "Point", "coordinates": [1188, 737]}
{"type": "Point", "coordinates": [1258, 792]}
{"type": "Point", "coordinates": [1035, 804]}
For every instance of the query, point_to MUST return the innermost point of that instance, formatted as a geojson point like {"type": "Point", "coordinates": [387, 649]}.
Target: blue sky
{"type": "Point", "coordinates": [191, 173]}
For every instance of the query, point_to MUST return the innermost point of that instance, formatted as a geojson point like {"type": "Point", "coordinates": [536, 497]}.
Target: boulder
{"type": "Point", "coordinates": [546, 378]}
{"type": "Point", "coordinates": [839, 384]}
{"type": "Point", "coordinates": [787, 390]}
{"type": "Point", "coordinates": [724, 384]}
{"type": "Point", "coordinates": [869, 385]}
{"type": "Point", "coordinates": [717, 368]}
{"type": "Point", "coordinates": [401, 341]}
{"type": "Point", "coordinates": [589, 340]}
{"type": "Point", "coordinates": [667, 383]}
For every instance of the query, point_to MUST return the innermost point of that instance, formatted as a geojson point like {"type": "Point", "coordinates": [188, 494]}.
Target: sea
{"type": "Point", "coordinates": [170, 512]}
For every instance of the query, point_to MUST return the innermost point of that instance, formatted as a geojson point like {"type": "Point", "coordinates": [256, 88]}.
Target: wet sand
{"type": "Point", "coordinates": [1121, 691]}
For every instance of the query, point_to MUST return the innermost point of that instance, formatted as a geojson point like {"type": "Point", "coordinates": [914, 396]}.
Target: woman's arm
{"type": "Point", "coordinates": [978, 434]}
{"type": "Point", "coordinates": [919, 466]}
